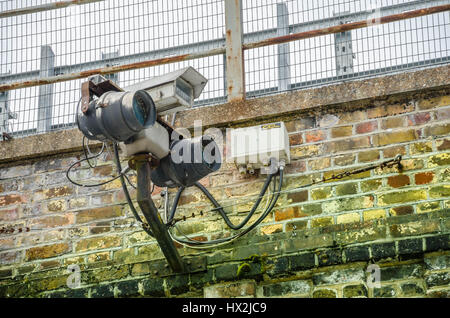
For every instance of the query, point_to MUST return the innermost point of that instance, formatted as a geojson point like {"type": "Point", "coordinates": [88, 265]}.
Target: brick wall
{"type": "Point", "coordinates": [317, 242]}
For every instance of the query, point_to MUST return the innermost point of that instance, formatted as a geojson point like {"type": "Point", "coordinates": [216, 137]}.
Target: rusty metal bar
{"type": "Point", "coordinates": [222, 50]}
{"type": "Point", "coordinates": [44, 7]}
{"type": "Point", "coordinates": [234, 53]}
{"type": "Point", "coordinates": [347, 27]}
{"type": "Point", "coordinates": [110, 70]}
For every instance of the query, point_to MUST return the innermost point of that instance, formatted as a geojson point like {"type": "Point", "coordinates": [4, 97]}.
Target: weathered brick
{"type": "Point", "coordinates": [392, 152]}
{"type": "Point", "coordinates": [366, 127]}
{"type": "Point", "coordinates": [423, 177]}
{"type": "Point", "coordinates": [315, 136]}
{"type": "Point", "coordinates": [295, 139]}
{"type": "Point", "coordinates": [277, 266]}
{"type": "Point", "coordinates": [383, 251]}
{"type": "Point", "coordinates": [414, 228]}
{"type": "Point", "coordinates": [302, 261]}
{"type": "Point", "coordinates": [357, 253]}
{"type": "Point", "coordinates": [439, 242]}
{"type": "Point", "coordinates": [374, 214]}
{"type": "Point", "coordinates": [47, 251]}
{"type": "Point", "coordinates": [9, 214]}
{"type": "Point", "coordinates": [177, 284]}
{"type": "Point", "coordinates": [271, 229]}
{"type": "Point", "coordinates": [361, 235]}
{"type": "Point", "coordinates": [419, 118]}
{"type": "Point", "coordinates": [287, 213]}
{"type": "Point", "coordinates": [401, 272]}
{"type": "Point", "coordinates": [428, 207]}
{"type": "Point", "coordinates": [297, 287]}
{"type": "Point", "coordinates": [340, 276]}
{"type": "Point", "coordinates": [390, 110]}
{"type": "Point", "coordinates": [352, 291]}
{"type": "Point", "coordinates": [387, 291]}
{"type": "Point", "coordinates": [296, 225]}
{"type": "Point", "coordinates": [434, 102]}
{"type": "Point", "coordinates": [329, 257]}
{"type": "Point", "coordinates": [344, 160]}
{"type": "Point", "coordinates": [420, 147]}
{"type": "Point", "coordinates": [347, 144]}
{"type": "Point", "coordinates": [393, 122]}
{"type": "Point", "coordinates": [54, 192]}
{"type": "Point", "coordinates": [11, 199]}
{"type": "Point", "coordinates": [442, 159]}
{"type": "Point", "coordinates": [402, 197]}
{"type": "Point", "coordinates": [97, 243]}
{"type": "Point", "coordinates": [346, 189]}
{"type": "Point", "coordinates": [371, 185]}
{"type": "Point", "coordinates": [348, 204]}
{"type": "Point", "coordinates": [412, 289]}
{"type": "Point", "coordinates": [305, 151]}
{"type": "Point", "coordinates": [324, 293]}
{"type": "Point", "coordinates": [52, 221]}
{"type": "Point", "coordinates": [367, 156]}
{"type": "Point", "coordinates": [323, 221]}
{"type": "Point", "coordinates": [438, 279]}
{"type": "Point", "coordinates": [240, 289]}
{"type": "Point", "coordinates": [410, 246]}
{"type": "Point", "coordinates": [310, 242]}
{"type": "Point", "coordinates": [402, 210]}
{"type": "Point", "coordinates": [321, 193]}
{"type": "Point", "coordinates": [443, 144]}
{"type": "Point", "coordinates": [311, 209]}
{"type": "Point", "coordinates": [440, 191]}
{"type": "Point", "coordinates": [343, 131]}
{"type": "Point", "coordinates": [394, 137]}
{"type": "Point", "coordinates": [98, 214]}
{"type": "Point", "coordinates": [398, 181]}
{"type": "Point", "coordinates": [319, 164]}
{"type": "Point", "coordinates": [348, 218]}
{"type": "Point", "coordinates": [300, 196]}
{"type": "Point", "coordinates": [102, 291]}
{"type": "Point", "coordinates": [437, 130]}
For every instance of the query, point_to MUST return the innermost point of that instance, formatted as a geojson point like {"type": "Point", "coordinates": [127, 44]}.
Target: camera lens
{"type": "Point", "coordinates": [140, 109]}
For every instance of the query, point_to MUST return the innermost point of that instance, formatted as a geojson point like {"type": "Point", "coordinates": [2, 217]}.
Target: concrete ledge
{"type": "Point", "coordinates": [349, 94]}
{"type": "Point", "coordinates": [353, 93]}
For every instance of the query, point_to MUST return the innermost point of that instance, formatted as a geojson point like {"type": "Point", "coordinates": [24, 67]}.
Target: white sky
{"type": "Point", "coordinates": [81, 34]}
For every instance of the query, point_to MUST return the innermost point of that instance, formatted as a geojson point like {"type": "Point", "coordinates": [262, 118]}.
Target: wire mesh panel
{"type": "Point", "coordinates": [377, 49]}
{"type": "Point", "coordinates": [45, 42]}
{"type": "Point", "coordinates": [96, 35]}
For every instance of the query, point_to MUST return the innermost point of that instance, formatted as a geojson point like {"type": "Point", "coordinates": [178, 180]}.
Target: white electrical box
{"type": "Point", "coordinates": [251, 148]}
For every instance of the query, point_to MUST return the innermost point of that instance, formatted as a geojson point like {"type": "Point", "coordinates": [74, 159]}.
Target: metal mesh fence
{"type": "Point", "coordinates": [100, 33]}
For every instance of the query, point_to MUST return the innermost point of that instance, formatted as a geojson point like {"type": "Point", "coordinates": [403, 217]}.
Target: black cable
{"type": "Point", "coordinates": [272, 203]}
{"type": "Point", "coordinates": [222, 212]}
{"type": "Point", "coordinates": [87, 159]}
{"type": "Point", "coordinates": [174, 205]}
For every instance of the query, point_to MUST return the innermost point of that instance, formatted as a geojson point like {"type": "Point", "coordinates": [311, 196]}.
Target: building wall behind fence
{"type": "Point", "coordinates": [320, 241]}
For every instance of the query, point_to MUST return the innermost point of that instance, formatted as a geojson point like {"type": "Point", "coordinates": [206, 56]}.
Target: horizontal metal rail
{"type": "Point", "coordinates": [221, 50]}
{"type": "Point", "coordinates": [347, 26]}
{"type": "Point", "coordinates": [220, 43]}
{"type": "Point", "coordinates": [44, 7]}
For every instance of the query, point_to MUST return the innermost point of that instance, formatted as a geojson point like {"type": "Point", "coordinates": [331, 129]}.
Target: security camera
{"type": "Point", "coordinates": [174, 91]}
{"type": "Point", "coordinates": [129, 117]}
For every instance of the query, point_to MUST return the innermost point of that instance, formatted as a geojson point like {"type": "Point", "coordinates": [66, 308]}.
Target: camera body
{"type": "Point", "coordinates": [129, 117]}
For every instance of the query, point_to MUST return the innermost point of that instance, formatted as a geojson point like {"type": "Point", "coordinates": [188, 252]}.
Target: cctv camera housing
{"type": "Point", "coordinates": [117, 116]}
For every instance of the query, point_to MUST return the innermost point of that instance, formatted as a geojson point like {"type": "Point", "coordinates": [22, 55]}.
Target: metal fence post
{"type": "Point", "coordinates": [4, 113]}
{"type": "Point", "coordinates": [105, 56]}
{"type": "Point", "coordinates": [46, 91]}
{"type": "Point", "coordinates": [284, 72]}
{"type": "Point", "coordinates": [235, 55]}
{"type": "Point", "coordinates": [344, 50]}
